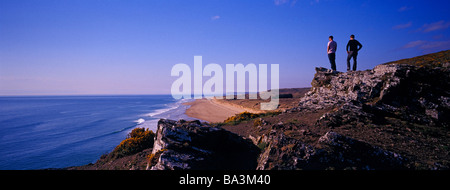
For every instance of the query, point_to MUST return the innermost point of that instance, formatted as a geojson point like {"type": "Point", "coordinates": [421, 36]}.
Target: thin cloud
{"type": "Point", "coordinates": [414, 44]}
{"type": "Point", "coordinates": [282, 2]}
{"type": "Point", "coordinates": [437, 37]}
{"type": "Point", "coordinates": [436, 45]}
{"type": "Point", "coordinates": [215, 17]}
{"type": "Point", "coordinates": [402, 26]}
{"type": "Point", "coordinates": [404, 8]}
{"type": "Point", "coordinates": [440, 25]}
{"type": "Point", "coordinates": [314, 2]}
{"type": "Point", "coordinates": [428, 46]}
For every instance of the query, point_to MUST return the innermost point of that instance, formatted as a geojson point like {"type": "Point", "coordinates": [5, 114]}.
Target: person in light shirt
{"type": "Point", "coordinates": [331, 50]}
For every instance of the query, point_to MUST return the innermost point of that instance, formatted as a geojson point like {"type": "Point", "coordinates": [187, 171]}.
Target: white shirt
{"type": "Point", "coordinates": [332, 46]}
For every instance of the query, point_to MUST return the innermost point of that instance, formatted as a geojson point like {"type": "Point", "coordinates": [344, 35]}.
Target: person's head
{"type": "Point", "coordinates": [330, 38]}
{"type": "Point", "coordinates": [352, 37]}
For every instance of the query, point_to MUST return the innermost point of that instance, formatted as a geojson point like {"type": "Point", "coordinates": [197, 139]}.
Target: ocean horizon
{"type": "Point", "coordinates": [58, 131]}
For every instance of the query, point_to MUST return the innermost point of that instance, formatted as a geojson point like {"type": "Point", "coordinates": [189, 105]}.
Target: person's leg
{"type": "Point", "coordinates": [348, 61]}
{"type": "Point", "coordinates": [355, 56]}
{"type": "Point", "coordinates": [332, 58]}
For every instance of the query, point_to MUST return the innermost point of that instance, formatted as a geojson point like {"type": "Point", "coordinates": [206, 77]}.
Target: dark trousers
{"type": "Point", "coordinates": [350, 55]}
{"type": "Point", "coordinates": [332, 58]}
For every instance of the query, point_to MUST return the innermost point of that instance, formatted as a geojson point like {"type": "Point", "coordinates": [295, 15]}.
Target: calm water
{"type": "Point", "coordinates": [60, 131]}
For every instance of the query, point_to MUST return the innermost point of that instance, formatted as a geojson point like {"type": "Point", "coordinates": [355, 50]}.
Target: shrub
{"type": "Point", "coordinates": [241, 117]}
{"type": "Point", "coordinates": [257, 122]}
{"type": "Point", "coordinates": [137, 140]}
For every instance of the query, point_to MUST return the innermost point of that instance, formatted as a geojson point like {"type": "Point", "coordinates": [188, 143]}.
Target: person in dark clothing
{"type": "Point", "coordinates": [331, 50]}
{"type": "Point", "coordinates": [353, 46]}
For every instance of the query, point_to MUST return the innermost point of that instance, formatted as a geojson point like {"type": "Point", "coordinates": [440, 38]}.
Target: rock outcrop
{"type": "Point", "coordinates": [336, 152]}
{"type": "Point", "coordinates": [415, 94]}
{"type": "Point", "coordinates": [198, 146]}
{"type": "Point", "coordinates": [194, 145]}
{"type": "Point", "coordinates": [391, 97]}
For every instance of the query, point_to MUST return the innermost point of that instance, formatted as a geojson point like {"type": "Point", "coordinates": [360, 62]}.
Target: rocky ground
{"type": "Point", "coordinates": [395, 116]}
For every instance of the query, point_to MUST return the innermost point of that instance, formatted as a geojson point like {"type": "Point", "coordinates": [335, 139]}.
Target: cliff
{"type": "Point", "coordinates": [180, 145]}
{"type": "Point", "coordinates": [195, 145]}
{"type": "Point", "coordinates": [394, 116]}
{"type": "Point", "coordinates": [410, 93]}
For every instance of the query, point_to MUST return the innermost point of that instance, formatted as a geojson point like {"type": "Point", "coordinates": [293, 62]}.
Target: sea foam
{"type": "Point", "coordinates": [140, 121]}
{"type": "Point", "coordinates": [168, 108]}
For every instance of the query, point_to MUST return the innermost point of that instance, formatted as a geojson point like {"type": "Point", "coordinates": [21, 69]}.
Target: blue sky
{"type": "Point", "coordinates": [63, 47]}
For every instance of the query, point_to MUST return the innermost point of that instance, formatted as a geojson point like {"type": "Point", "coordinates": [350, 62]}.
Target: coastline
{"type": "Point", "coordinates": [374, 130]}
{"type": "Point", "coordinates": [217, 110]}
{"type": "Point", "coordinates": [212, 110]}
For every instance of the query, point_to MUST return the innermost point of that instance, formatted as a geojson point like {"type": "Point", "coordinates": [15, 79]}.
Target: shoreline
{"type": "Point", "coordinates": [212, 111]}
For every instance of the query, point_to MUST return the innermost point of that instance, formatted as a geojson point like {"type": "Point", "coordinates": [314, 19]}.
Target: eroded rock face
{"type": "Point", "coordinates": [197, 146]}
{"type": "Point", "coordinates": [330, 88]}
{"type": "Point", "coordinates": [389, 92]}
{"type": "Point", "coordinates": [415, 94]}
{"type": "Point", "coordinates": [284, 153]}
{"type": "Point", "coordinates": [336, 152]}
{"type": "Point", "coordinates": [360, 154]}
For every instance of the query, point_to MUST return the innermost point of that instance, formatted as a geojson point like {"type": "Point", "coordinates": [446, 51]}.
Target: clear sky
{"type": "Point", "coordinates": [62, 47]}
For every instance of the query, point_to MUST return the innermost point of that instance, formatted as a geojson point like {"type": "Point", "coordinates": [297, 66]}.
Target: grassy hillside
{"type": "Point", "coordinates": [430, 60]}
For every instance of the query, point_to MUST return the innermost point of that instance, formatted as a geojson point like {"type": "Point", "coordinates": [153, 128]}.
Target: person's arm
{"type": "Point", "coordinates": [348, 45]}
{"type": "Point", "coordinates": [360, 46]}
{"type": "Point", "coordinates": [328, 47]}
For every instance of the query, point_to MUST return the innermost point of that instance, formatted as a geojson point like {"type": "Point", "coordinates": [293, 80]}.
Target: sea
{"type": "Point", "coordinates": [44, 132]}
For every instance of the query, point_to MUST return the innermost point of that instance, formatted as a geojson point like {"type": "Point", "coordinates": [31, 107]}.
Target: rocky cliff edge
{"type": "Point", "coordinates": [394, 116]}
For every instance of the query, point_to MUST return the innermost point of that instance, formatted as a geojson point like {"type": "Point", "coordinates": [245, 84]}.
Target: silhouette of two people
{"type": "Point", "coordinates": [353, 46]}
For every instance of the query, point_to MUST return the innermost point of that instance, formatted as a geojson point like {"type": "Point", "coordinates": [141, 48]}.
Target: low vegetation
{"type": "Point", "coordinates": [429, 60]}
{"type": "Point", "coordinates": [137, 140]}
{"type": "Point", "coordinates": [245, 116]}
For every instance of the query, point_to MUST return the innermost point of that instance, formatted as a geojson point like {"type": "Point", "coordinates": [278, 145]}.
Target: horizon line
{"type": "Point", "coordinates": [37, 95]}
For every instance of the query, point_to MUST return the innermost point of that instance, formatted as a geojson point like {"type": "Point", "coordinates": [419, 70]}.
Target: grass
{"type": "Point", "coordinates": [153, 158]}
{"type": "Point", "coordinates": [262, 145]}
{"type": "Point", "coordinates": [246, 116]}
{"type": "Point", "coordinates": [430, 60]}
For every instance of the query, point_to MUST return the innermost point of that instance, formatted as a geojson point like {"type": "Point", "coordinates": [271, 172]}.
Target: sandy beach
{"type": "Point", "coordinates": [211, 110]}
{"type": "Point", "coordinates": [217, 110]}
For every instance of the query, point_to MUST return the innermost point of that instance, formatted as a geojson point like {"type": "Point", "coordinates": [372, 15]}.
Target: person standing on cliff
{"type": "Point", "coordinates": [354, 46]}
{"type": "Point", "coordinates": [331, 50]}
